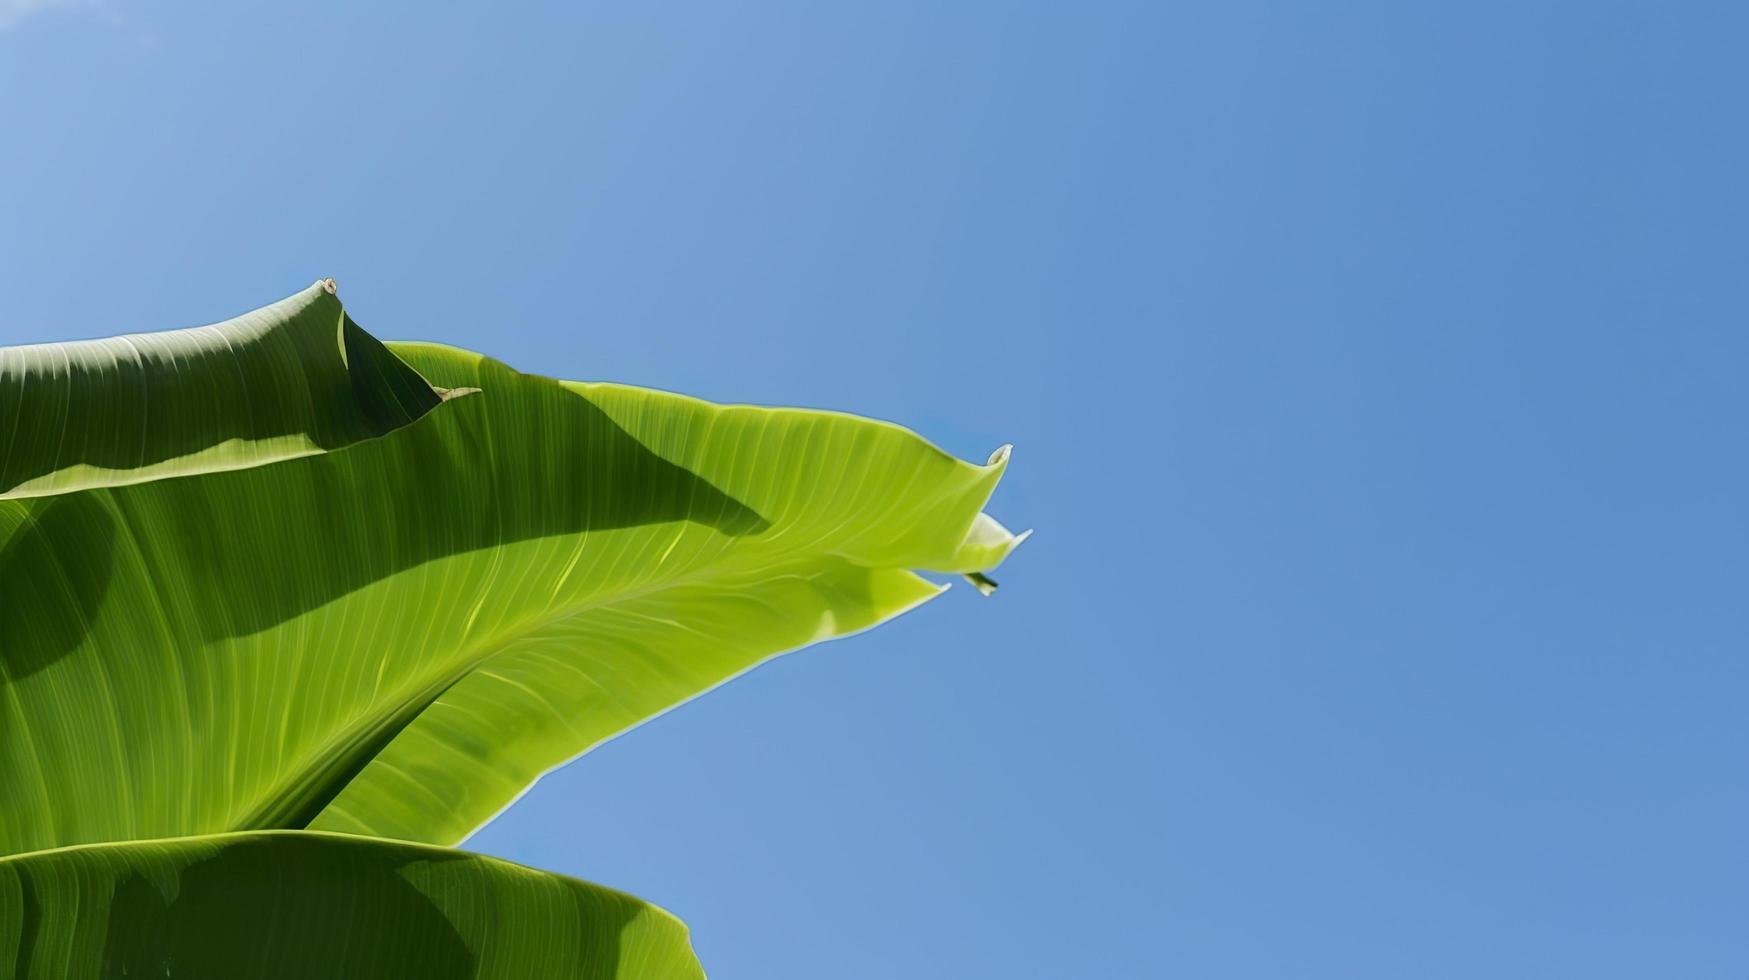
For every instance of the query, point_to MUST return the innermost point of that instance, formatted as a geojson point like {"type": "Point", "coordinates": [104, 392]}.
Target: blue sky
{"type": "Point", "coordinates": [1375, 371]}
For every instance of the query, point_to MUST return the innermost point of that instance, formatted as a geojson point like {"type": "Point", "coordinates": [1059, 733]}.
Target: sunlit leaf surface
{"type": "Point", "coordinates": [413, 582]}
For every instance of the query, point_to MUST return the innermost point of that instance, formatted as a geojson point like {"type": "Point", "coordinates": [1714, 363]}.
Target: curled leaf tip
{"type": "Point", "coordinates": [983, 583]}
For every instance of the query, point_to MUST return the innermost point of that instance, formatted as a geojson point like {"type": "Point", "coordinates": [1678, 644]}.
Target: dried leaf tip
{"type": "Point", "coordinates": [983, 583]}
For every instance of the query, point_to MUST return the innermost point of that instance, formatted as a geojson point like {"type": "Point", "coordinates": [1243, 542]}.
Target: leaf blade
{"type": "Point", "coordinates": [293, 903]}
{"type": "Point", "coordinates": [250, 647]}
{"type": "Point", "coordinates": [291, 379]}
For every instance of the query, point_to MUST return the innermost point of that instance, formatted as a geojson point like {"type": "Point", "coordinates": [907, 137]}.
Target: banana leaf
{"type": "Point", "coordinates": [297, 904]}
{"type": "Point", "coordinates": [274, 574]}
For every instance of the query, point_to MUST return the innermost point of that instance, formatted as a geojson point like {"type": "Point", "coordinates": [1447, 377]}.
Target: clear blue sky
{"type": "Point", "coordinates": [1376, 373]}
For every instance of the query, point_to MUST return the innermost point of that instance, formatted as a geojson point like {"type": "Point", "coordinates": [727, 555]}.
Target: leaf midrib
{"type": "Point", "coordinates": [278, 803]}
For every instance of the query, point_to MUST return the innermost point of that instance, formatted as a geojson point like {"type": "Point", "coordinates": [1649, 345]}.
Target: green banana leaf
{"type": "Point", "coordinates": [273, 574]}
{"type": "Point", "coordinates": [291, 379]}
{"type": "Point", "coordinates": [296, 904]}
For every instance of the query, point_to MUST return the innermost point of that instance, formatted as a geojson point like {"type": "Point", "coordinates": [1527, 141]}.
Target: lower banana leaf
{"type": "Point", "coordinates": [308, 905]}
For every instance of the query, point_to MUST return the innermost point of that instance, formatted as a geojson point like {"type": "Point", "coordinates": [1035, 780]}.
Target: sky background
{"type": "Point", "coordinates": [1375, 372]}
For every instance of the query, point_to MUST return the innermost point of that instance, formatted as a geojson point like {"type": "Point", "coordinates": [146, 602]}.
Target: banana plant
{"type": "Point", "coordinates": [286, 613]}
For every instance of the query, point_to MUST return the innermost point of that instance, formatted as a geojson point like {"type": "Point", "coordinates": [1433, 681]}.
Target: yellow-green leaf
{"type": "Point", "coordinates": [395, 632]}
